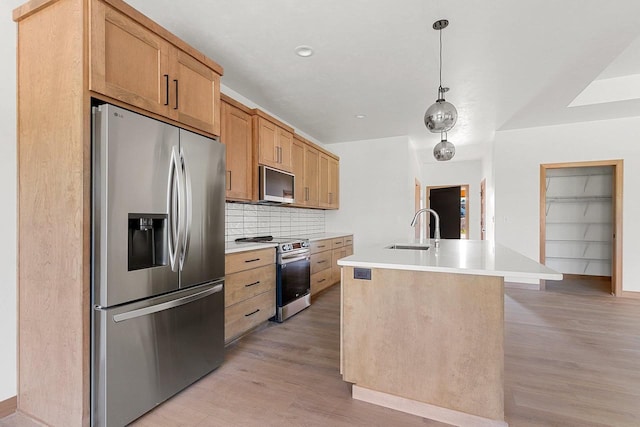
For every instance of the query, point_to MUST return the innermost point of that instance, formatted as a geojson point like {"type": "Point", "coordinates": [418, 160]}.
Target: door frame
{"type": "Point", "coordinates": [616, 243]}
{"type": "Point", "coordinates": [483, 209]}
{"type": "Point", "coordinates": [467, 210]}
{"type": "Point", "coordinates": [416, 196]}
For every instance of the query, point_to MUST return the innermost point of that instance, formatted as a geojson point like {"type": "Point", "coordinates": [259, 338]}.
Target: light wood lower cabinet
{"type": "Point", "coordinates": [325, 271]}
{"type": "Point", "coordinates": [250, 291]}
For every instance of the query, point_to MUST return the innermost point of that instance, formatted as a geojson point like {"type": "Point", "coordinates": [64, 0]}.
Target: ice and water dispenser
{"type": "Point", "coordinates": [147, 241]}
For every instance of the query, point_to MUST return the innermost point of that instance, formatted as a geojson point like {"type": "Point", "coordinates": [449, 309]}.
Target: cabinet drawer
{"type": "Point", "coordinates": [250, 259]}
{"type": "Point", "coordinates": [348, 240]}
{"type": "Point", "coordinates": [320, 246]}
{"type": "Point", "coordinates": [249, 283]}
{"type": "Point", "coordinates": [320, 261]}
{"type": "Point", "coordinates": [244, 315]}
{"type": "Point", "coordinates": [337, 242]}
{"type": "Point", "coordinates": [320, 281]}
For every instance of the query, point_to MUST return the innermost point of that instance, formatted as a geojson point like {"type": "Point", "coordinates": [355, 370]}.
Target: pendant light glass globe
{"type": "Point", "coordinates": [444, 150]}
{"type": "Point", "coordinates": [441, 116]}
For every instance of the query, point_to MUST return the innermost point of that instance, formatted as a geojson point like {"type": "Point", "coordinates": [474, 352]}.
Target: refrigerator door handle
{"type": "Point", "coordinates": [188, 208]}
{"type": "Point", "coordinates": [167, 305]}
{"type": "Point", "coordinates": [174, 208]}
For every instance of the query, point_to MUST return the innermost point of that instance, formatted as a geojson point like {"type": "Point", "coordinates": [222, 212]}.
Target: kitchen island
{"type": "Point", "coordinates": [422, 331]}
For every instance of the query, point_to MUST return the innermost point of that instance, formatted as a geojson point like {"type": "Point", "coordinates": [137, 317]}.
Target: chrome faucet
{"type": "Point", "coordinates": [436, 233]}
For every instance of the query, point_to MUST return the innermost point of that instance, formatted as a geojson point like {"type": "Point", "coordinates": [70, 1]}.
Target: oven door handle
{"type": "Point", "coordinates": [287, 260]}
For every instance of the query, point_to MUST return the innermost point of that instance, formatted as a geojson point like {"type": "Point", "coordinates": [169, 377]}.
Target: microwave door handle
{"type": "Point", "coordinates": [187, 208]}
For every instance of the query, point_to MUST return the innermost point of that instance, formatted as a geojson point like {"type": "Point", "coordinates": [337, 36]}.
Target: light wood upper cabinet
{"type": "Point", "coordinates": [297, 158]}
{"type": "Point", "coordinates": [195, 98]}
{"type": "Point", "coordinates": [334, 183]}
{"type": "Point", "coordinates": [305, 168]}
{"type": "Point", "coordinates": [267, 146]}
{"type": "Point", "coordinates": [323, 184]}
{"type": "Point", "coordinates": [311, 177]}
{"type": "Point", "coordinates": [133, 64]}
{"type": "Point", "coordinates": [329, 182]}
{"type": "Point", "coordinates": [274, 143]}
{"type": "Point", "coordinates": [236, 135]}
{"type": "Point", "coordinates": [128, 62]}
{"type": "Point", "coordinates": [285, 143]}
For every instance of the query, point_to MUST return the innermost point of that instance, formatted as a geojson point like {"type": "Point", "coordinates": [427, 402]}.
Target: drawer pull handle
{"type": "Point", "coordinates": [252, 284]}
{"type": "Point", "coordinates": [320, 281]}
{"type": "Point", "coordinates": [321, 246]}
{"type": "Point", "coordinates": [252, 260]}
{"type": "Point", "coordinates": [252, 313]}
{"type": "Point", "coordinates": [320, 262]}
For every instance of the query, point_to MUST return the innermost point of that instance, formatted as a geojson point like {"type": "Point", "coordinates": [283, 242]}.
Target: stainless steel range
{"type": "Point", "coordinates": [293, 274]}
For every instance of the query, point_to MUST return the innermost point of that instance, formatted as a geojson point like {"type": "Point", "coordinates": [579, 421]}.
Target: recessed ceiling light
{"type": "Point", "coordinates": [360, 116]}
{"type": "Point", "coordinates": [304, 51]}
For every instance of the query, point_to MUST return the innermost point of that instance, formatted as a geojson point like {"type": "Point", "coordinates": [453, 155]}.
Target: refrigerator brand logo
{"type": "Point", "coordinates": [118, 115]}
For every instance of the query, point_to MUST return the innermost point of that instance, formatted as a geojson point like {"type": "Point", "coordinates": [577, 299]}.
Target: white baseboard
{"type": "Point", "coordinates": [421, 409]}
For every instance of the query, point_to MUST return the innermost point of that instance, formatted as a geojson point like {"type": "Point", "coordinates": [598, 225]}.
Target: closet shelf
{"type": "Point", "coordinates": [578, 199]}
{"type": "Point", "coordinates": [566, 258]}
{"type": "Point", "coordinates": [607, 242]}
{"type": "Point", "coordinates": [577, 223]}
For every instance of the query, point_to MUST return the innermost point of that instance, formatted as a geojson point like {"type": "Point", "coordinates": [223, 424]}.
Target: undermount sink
{"type": "Point", "coordinates": [412, 246]}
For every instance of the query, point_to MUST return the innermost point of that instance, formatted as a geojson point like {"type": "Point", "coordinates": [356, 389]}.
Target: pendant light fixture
{"type": "Point", "coordinates": [442, 115]}
{"type": "Point", "coordinates": [444, 150]}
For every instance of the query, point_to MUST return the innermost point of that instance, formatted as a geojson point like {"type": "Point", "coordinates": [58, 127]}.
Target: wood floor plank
{"type": "Point", "coordinates": [571, 360]}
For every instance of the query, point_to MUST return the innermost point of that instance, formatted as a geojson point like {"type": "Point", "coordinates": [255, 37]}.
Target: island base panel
{"type": "Point", "coordinates": [435, 338]}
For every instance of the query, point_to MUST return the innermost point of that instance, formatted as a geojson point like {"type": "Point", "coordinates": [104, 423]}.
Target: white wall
{"type": "Point", "coordinates": [376, 191]}
{"type": "Point", "coordinates": [517, 158]}
{"type": "Point", "coordinates": [458, 173]}
{"type": "Point", "coordinates": [8, 196]}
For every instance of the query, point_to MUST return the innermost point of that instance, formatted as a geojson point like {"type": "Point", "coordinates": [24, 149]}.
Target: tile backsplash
{"type": "Point", "coordinates": [245, 220]}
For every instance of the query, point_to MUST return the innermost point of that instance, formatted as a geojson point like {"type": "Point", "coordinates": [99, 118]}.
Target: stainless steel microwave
{"type": "Point", "coordinates": [276, 186]}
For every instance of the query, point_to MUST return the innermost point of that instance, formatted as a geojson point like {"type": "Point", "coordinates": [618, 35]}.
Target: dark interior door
{"type": "Point", "coordinates": [446, 201]}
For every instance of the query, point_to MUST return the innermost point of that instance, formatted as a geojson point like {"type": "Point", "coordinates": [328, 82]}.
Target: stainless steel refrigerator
{"type": "Point", "coordinates": [157, 262]}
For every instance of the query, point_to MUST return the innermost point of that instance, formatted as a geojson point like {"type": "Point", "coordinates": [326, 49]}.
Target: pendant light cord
{"type": "Point", "coordinates": [440, 88]}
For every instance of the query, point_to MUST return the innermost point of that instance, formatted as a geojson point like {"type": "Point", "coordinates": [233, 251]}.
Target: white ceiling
{"type": "Point", "coordinates": [509, 64]}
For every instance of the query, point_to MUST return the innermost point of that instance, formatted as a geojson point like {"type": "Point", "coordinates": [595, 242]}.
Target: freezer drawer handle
{"type": "Point", "coordinates": [252, 313]}
{"type": "Point", "coordinates": [166, 305]}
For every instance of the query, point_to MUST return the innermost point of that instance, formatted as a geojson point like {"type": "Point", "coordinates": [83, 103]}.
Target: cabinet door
{"type": "Point", "coordinates": [195, 93]}
{"type": "Point", "coordinates": [297, 159]}
{"type": "Point", "coordinates": [335, 268]}
{"type": "Point", "coordinates": [267, 143]}
{"type": "Point", "coordinates": [323, 184]}
{"type": "Point", "coordinates": [334, 183]}
{"type": "Point", "coordinates": [311, 165]}
{"type": "Point", "coordinates": [285, 146]}
{"type": "Point", "coordinates": [128, 62]}
{"type": "Point", "coordinates": [236, 135]}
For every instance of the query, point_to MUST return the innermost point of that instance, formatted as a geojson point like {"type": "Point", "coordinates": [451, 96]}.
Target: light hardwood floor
{"type": "Point", "coordinates": [570, 360]}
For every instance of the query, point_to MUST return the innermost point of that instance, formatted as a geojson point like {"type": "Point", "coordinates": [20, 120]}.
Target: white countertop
{"type": "Point", "coordinates": [477, 257]}
{"type": "Point", "coordinates": [233, 247]}
{"type": "Point", "coordinates": [322, 236]}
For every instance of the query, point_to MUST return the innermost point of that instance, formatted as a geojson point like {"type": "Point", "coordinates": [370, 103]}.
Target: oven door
{"type": "Point", "coordinates": [293, 277]}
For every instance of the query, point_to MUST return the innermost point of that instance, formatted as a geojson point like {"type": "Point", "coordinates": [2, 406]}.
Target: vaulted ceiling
{"type": "Point", "coordinates": [509, 64]}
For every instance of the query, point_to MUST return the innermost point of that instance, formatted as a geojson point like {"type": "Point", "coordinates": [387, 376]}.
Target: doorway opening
{"type": "Point", "coordinates": [452, 205]}
{"type": "Point", "coordinates": [581, 225]}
